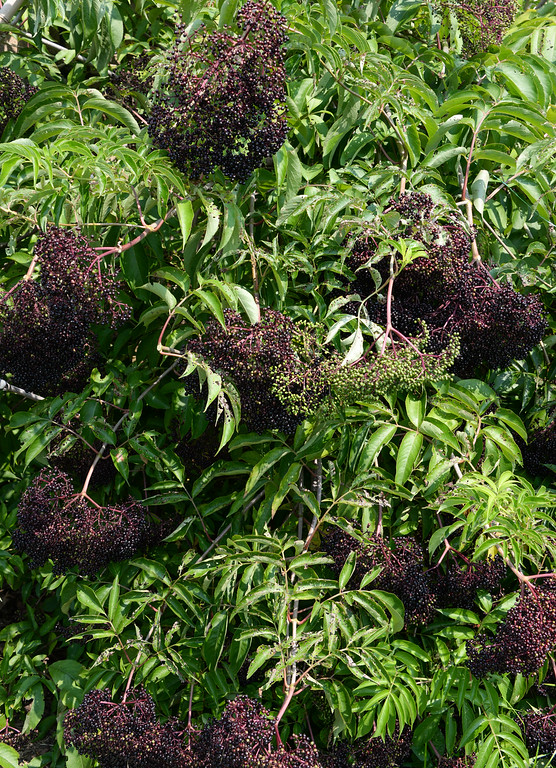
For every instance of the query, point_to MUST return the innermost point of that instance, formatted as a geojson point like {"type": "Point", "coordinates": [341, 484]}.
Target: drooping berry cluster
{"type": "Point", "coordinates": [47, 339]}
{"type": "Point", "coordinates": [539, 731]}
{"type": "Point", "coordinates": [53, 522]}
{"type": "Point", "coordinates": [129, 735]}
{"type": "Point", "coordinates": [277, 386]}
{"type": "Point", "coordinates": [126, 734]}
{"type": "Point", "coordinates": [14, 93]}
{"type": "Point", "coordinates": [404, 364]}
{"type": "Point", "coordinates": [223, 102]}
{"type": "Point", "coordinates": [450, 294]}
{"type": "Point", "coordinates": [459, 585]}
{"type": "Point", "coordinates": [241, 737]}
{"type": "Point", "coordinates": [482, 22]}
{"type": "Point", "coordinates": [524, 640]}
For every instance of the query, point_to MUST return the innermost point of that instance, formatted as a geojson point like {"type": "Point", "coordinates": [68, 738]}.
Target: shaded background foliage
{"type": "Point", "coordinates": [367, 571]}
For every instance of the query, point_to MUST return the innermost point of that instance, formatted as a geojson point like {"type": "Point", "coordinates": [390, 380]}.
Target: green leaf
{"type": "Point", "coordinates": [264, 653]}
{"type": "Point", "coordinates": [64, 672]}
{"type": "Point", "coordinates": [115, 110]}
{"type": "Point", "coordinates": [9, 758]}
{"type": "Point", "coordinates": [184, 209]}
{"type": "Point", "coordinates": [374, 445]}
{"type": "Point", "coordinates": [505, 442]}
{"type": "Point", "coordinates": [347, 570]}
{"type": "Point", "coordinates": [162, 292]}
{"type": "Point", "coordinates": [213, 303]}
{"type": "Point", "coordinates": [119, 458]}
{"type": "Point", "coordinates": [114, 610]}
{"type": "Point", "coordinates": [407, 454]}
{"type": "Point", "coordinates": [215, 639]}
{"type": "Point", "coordinates": [87, 597]}
{"type": "Point", "coordinates": [288, 480]}
{"type": "Point", "coordinates": [248, 303]}
{"type": "Point", "coordinates": [262, 466]}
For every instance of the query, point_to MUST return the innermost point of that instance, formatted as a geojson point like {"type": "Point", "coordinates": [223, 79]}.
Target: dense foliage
{"type": "Point", "coordinates": [277, 325]}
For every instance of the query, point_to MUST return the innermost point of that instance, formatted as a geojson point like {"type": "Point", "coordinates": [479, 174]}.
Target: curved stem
{"type": "Point", "coordinates": [118, 424]}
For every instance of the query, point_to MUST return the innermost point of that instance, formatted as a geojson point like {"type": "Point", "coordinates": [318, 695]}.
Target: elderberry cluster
{"type": "Point", "coordinates": [53, 522]}
{"type": "Point", "coordinates": [481, 23]}
{"type": "Point", "coordinates": [523, 642]}
{"type": "Point", "coordinates": [223, 101]}
{"type": "Point", "coordinates": [126, 734]}
{"type": "Point", "coordinates": [451, 295]}
{"type": "Point", "coordinates": [277, 386]}
{"type": "Point", "coordinates": [459, 585]}
{"type": "Point", "coordinates": [539, 731]}
{"type": "Point", "coordinates": [14, 94]}
{"type": "Point", "coordinates": [47, 339]}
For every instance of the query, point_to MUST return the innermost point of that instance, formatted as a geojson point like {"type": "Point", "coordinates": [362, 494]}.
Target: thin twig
{"type": "Point", "coordinates": [18, 391]}
{"type": "Point", "coordinates": [104, 446]}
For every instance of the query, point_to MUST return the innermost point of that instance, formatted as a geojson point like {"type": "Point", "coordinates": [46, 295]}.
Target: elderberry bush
{"type": "Point", "coordinates": [14, 94]}
{"type": "Point", "coordinates": [277, 385]}
{"type": "Point", "coordinates": [54, 523]}
{"type": "Point", "coordinates": [126, 734]}
{"type": "Point", "coordinates": [523, 641]}
{"type": "Point", "coordinates": [222, 104]}
{"type": "Point", "coordinates": [48, 343]}
{"type": "Point", "coordinates": [448, 293]}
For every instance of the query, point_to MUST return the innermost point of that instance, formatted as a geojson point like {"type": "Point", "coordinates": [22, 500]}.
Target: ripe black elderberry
{"type": "Point", "coordinates": [524, 640]}
{"type": "Point", "coordinates": [241, 738]}
{"type": "Point", "coordinates": [47, 339]}
{"type": "Point", "coordinates": [14, 93]}
{"type": "Point", "coordinates": [457, 762]}
{"type": "Point", "coordinates": [126, 734]}
{"type": "Point", "coordinates": [449, 294]}
{"type": "Point", "coordinates": [304, 754]}
{"type": "Point", "coordinates": [223, 101]}
{"type": "Point", "coordinates": [539, 731]}
{"type": "Point", "coordinates": [53, 522]}
{"type": "Point", "coordinates": [458, 587]}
